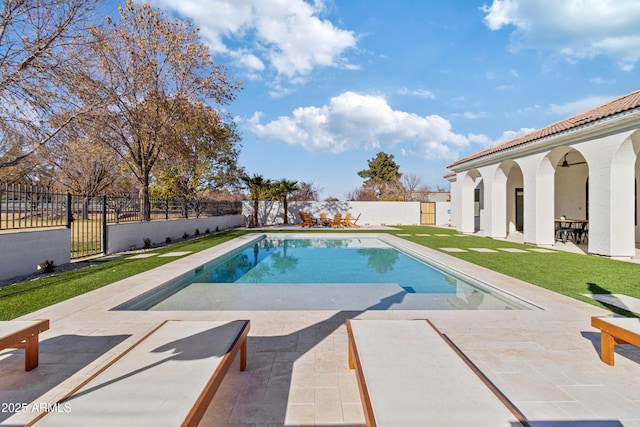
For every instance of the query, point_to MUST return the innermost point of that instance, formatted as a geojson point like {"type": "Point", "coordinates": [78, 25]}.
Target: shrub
{"type": "Point", "coordinates": [185, 235]}
{"type": "Point", "coordinates": [168, 240]}
{"type": "Point", "coordinates": [197, 233]}
{"type": "Point", "coordinates": [147, 243]}
{"type": "Point", "coordinates": [47, 266]}
{"type": "Point", "coordinates": [207, 231]}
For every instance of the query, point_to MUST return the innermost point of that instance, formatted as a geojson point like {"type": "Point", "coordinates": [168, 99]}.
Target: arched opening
{"type": "Point", "coordinates": [509, 182]}
{"type": "Point", "coordinates": [571, 176]}
{"type": "Point", "coordinates": [472, 201]}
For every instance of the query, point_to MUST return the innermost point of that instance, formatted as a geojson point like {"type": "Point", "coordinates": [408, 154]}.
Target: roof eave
{"type": "Point", "coordinates": [617, 122]}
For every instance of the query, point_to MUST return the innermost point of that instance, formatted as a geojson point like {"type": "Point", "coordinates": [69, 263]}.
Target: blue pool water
{"type": "Point", "coordinates": [327, 261]}
{"type": "Point", "coordinates": [275, 273]}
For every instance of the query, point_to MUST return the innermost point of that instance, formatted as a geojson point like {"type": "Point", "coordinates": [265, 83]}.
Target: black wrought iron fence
{"type": "Point", "coordinates": [126, 208]}
{"type": "Point", "coordinates": [28, 206]}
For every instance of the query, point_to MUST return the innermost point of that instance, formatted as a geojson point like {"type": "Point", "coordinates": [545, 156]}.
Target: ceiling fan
{"type": "Point", "coordinates": [566, 164]}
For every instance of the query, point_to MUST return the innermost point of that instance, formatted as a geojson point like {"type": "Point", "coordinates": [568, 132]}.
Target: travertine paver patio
{"type": "Point", "coordinates": [545, 361]}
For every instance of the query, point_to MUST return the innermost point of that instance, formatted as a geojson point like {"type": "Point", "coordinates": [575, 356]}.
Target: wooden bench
{"type": "Point", "coordinates": [409, 374]}
{"type": "Point", "coordinates": [616, 330]}
{"type": "Point", "coordinates": [166, 379]}
{"type": "Point", "coordinates": [23, 334]}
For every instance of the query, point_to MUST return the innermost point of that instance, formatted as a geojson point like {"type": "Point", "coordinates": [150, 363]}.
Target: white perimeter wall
{"type": "Point", "coordinates": [371, 213]}
{"type": "Point", "coordinates": [21, 252]}
{"type": "Point", "coordinates": [120, 237]}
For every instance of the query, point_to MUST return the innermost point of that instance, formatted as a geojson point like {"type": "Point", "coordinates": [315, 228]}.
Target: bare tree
{"type": "Point", "coordinates": [81, 163]}
{"type": "Point", "coordinates": [362, 194]}
{"type": "Point", "coordinates": [41, 48]}
{"type": "Point", "coordinates": [306, 192]}
{"type": "Point", "coordinates": [410, 182]}
{"type": "Point", "coordinates": [149, 70]}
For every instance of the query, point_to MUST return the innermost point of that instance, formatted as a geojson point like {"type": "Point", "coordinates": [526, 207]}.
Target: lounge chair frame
{"type": "Point", "coordinates": [139, 358]}
{"type": "Point", "coordinates": [615, 330]}
{"type": "Point", "coordinates": [470, 394]}
{"type": "Point", "coordinates": [23, 334]}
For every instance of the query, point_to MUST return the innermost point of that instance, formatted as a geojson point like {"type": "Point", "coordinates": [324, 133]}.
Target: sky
{"type": "Point", "coordinates": [327, 84]}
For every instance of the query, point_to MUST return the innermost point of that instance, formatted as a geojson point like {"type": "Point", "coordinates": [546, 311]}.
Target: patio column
{"type": "Point", "coordinates": [611, 197]}
{"type": "Point", "coordinates": [496, 188]}
{"type": "Point", "coordinates": [538, 178]}
{"type": "Point", "coordinates": [467, 184]}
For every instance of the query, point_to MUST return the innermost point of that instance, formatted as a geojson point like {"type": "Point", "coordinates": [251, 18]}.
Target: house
{"type": "Point", "coordinates": [584, 167]}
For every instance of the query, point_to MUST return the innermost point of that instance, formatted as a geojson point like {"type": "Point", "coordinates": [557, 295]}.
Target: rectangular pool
{"type": "Point", "coordinates": [280, 273]}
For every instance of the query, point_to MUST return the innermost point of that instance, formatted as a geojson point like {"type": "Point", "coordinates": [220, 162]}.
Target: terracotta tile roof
{"type": "Point", "coordinates": [619, 105]}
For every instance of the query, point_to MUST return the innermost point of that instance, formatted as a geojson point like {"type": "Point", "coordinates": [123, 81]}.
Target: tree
{"type": "Point", "coordinates": [306, 192]}
{"type": "Point", "coordinates": [382, 168]}
{"type": "Point", "coordinates": [258, 187]}
{"type": "Point", "coordinates": [362, 194]}
{"type": "Point", "coordinates": [411, 182]}
{"type": "Point", "coordinates": [206, 159]}
{"type": "Point", "coordinates": [41, 50]}
{"type": "Point", "coordinates": [81, 163]}
{"type": "Point", "coordinates": [382, 179]}
{"type": "Point", "coordinates": [150, 71]}
{"type": "Point", "coordinates": [282, 189]}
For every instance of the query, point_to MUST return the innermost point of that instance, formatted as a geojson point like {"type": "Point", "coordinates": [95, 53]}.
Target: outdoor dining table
{"type": "Point", "coordinates": [575, 227]}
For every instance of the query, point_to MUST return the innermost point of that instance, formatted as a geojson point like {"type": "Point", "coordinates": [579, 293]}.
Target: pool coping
{"type": "Point", "coordinates": [190, 264]}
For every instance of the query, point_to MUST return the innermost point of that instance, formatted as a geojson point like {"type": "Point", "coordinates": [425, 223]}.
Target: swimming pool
{"type": "Point", "coordinates": [295, 273]}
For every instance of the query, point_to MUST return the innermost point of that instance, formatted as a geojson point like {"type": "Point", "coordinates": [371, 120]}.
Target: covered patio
{"type": "Point", "coordinates": [579, 174]}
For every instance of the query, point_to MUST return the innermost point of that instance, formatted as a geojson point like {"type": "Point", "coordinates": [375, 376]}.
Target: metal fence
{"type": "Point", "coordinates": [24, 206]}
{"type": "Point", "coordinates": [126, 208]}
{"type": "Point", "coordinates": [27, 206]}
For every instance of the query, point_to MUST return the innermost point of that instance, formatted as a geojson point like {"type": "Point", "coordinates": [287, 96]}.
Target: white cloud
{"type": "Point", "coordinates": [578, 106]}
{"type": "Point", "coordinates": [286, 36]}
{"type": "Point", "coordinates": [508, 135]}
{"type": "Point", "coordinates": [601, 81]}
{"type": "Point", "coordinates": [351, 121]}
{"type": "Point", "coordinates": [575, 29]}
{"type": "Point", "coordinates": [474, 116]}
{"type": "Point", "coordinates": [421, 93]}
{"type": "Point", "coordinates": [470, 115]}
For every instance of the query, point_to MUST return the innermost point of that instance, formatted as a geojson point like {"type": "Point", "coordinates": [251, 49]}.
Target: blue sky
{"type": "Point", "coordinates": [329, 83]}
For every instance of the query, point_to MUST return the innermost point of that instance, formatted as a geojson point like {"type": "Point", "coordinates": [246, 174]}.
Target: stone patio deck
{"type": "Point", "coordinates": [545, 361]}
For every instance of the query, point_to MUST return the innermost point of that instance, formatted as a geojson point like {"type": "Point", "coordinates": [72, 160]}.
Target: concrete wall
{"type": "Point", "coordinates": [371, 213]}
{"type": "Point", "coordinates": [23, 251]}
{"type": "Point", "coordinates": [120, 237]}
{"type": "Point", "coordinates": [443, 214]}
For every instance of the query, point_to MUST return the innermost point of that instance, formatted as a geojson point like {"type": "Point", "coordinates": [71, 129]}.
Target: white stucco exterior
{"type": "Point", "coordinates": [598, 185]}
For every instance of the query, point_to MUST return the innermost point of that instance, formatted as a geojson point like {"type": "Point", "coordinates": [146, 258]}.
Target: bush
{"type": "Point", "coordinates": [147, 243]}
{"type": "Point", "coordinates": [168, 240]}
{"type": "Point", "coordinates": [197, 233]}
{"type": "Point", "coordinates": [47, 266]}
{"type": "Point", "coordinates": [207, 231]}
{"type": "Point", "coordinates": [185, 235]}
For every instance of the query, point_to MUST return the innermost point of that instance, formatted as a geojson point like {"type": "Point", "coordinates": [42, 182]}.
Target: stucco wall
{"type": "Point", "coordinates": [122, 236]}
{"type": "Point", "coordinates": [371, 213]}
{"type": "Point", "coordinates": [23, 251]}
{"type": "Point", "coordinates": [443, 214]}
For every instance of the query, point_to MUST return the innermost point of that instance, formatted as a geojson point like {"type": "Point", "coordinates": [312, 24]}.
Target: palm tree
{"type": "Point", "coordinates": [256, 185]}
{"type": "Point", "coordinates": [282, 189]}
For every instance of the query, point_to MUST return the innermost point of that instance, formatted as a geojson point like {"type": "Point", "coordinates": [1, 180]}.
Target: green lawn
{"type": "Point", "coordinates": [565, 273]}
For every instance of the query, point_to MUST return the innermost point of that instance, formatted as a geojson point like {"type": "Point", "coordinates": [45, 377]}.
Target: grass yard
{"type": "Point", "coordinates": [23, 298]}
{"type": "Point", "coordinates": [566, 273]}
